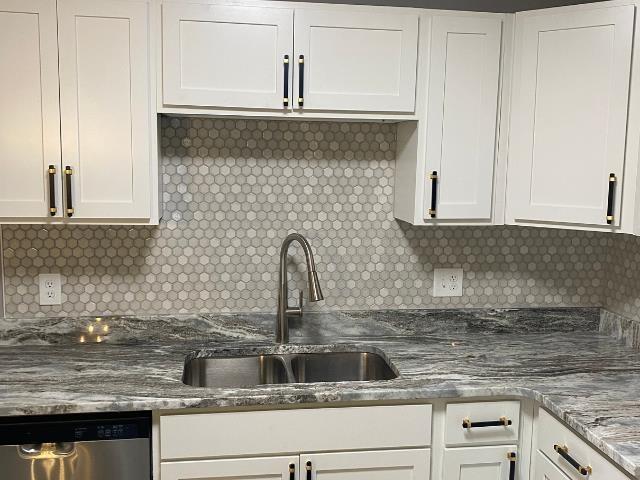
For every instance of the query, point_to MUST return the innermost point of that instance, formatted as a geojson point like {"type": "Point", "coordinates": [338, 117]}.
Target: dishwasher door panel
{"type": "Point", "coordinates": [123, 459]}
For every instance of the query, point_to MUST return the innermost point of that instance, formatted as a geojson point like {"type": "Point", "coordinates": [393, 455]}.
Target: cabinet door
{"type": "Point", "coordinates": [543, 469]}
{"type": "Point", "coordinates": [355, 61]}
{"type": "Point", "coordinates": [105, 107]}
{"type": "Point", "coordinates": [268, 468]}
{"type": "Point", "coordinates": [226, 56]}
{"type": "Point", "coordinates": [29, 117]}
{"type": "Point", "coordinates": [569, 115]}
{"type": "Point", "coordinates": [477, 463]}
{"type": "Point", "coordinates": [462, 114]}
{"type": "Point", "coordinates": [374, 465]}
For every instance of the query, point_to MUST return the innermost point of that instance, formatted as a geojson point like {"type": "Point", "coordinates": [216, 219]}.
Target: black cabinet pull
{"type": "Point", "coordinates": [292, 471]}
{"type": "Point", "coordinates": [610, 199]}
{"type": "Point", "coordinates": [563, 451]}
{"type": "Point", "coordinates": [501, 422]}
{"type": "Point", "coordinates": [308, 470]}
{"type": "Point", "coordinates": [512, 465]}
{"type": "Point", "coordinates": [285, 100]}
{"type": "Point", "coordinates": [434, 193]}
{"type": "Point", "coordinates": [67, 186]}
{"type": "Point", "coordinates": [52, 191]}
{"type": "Point", "coordinates": [301, 81]}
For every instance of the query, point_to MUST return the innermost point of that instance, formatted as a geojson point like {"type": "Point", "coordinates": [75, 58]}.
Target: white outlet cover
{"type": "Point", "coordinates": [447, 282]}
{"type": "Point", "coordinates": [50, 286]}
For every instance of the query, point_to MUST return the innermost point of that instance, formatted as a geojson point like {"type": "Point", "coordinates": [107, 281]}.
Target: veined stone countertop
{"type": "Point", "coordinates": [554, 356]}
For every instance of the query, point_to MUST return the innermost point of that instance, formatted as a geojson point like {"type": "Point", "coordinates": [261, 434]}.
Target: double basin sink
{"type": "Point", "coordinates": [215, 370]}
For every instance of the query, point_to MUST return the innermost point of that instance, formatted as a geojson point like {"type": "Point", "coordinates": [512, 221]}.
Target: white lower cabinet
{"type": "Point", "coordinates": [544, 469]}
{"type": "Point", "coordinates": [570, 453]}
{"type": "Point", "coordinates": [411, 464]}
{"type": "Point", "coordinates": [267, 468]}
{"type": "Point", "coordinates": [479, 463]}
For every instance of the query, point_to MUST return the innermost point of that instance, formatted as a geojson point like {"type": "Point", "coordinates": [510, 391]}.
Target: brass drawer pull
{"type": "Point", "coordinates": [52, 191]}
{"type": "Point", "coordinates": [68, 172]}
{"type": "Point", "coordinates": [501, 422]}
{"type": "Point", "coordinates": [610, 197]}
{"type": "Point", "coordinates": [285, 99]}
{"type": "Point", "coordinates": [512, 456]}
{"type": "Point", "coordinates": [563, 451]}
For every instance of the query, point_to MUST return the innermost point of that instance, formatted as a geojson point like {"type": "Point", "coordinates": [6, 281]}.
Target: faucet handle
{"type": "Point", "coordinates": [297, 311]}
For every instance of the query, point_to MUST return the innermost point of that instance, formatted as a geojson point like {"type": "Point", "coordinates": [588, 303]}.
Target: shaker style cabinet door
{"type": "Point", "coordinates": [355, 61]}
{"type": "Point", "coordinates": [226, 56]}
{"type": "Point", "coordinates": [478, 463]}
{"type": "Point", "coordinates": [413, 464]}
{"type": "Point", "coordinates": [105, 108]}
{"type": "Point", "coordinates": [543, 469]}
{"type": "Point", "coordinates": [462, 117]}
{"type": "Point", "coordinates": [268, 468]}
{"type": "Point", "coordinates": [29, 116]}
{"type": "Point", "coordinates": [569, 114]}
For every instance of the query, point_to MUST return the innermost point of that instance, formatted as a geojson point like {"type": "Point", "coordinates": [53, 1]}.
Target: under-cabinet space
{"type": "Point", "coordinates": [569, 116]}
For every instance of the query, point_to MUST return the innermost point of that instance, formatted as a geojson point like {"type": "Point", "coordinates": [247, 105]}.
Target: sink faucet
{"type": "Point", "coordinates": [315, 294]}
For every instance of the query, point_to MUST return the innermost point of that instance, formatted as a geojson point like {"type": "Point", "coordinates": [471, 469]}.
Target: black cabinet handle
{"type": "Point", "coordinates": [52, 191]}
{"type": "Point", "coordinates": [308, 470]}
{"type": "Point", "coordinates": [563, 451]}
{"type": "Point", "coordinates": [610, 199]}
{"type": "Point", "coordinates": [501, 422]}
{"type": "Point", "coordinates": [285, 100]}
{"type": "Point", "coordinates": [301, 81]}
{"type": "Point", "coordinates": [434, 193]}
{"type": "Point", "coordinates": [512, 465]}
{"type": "Point", "coordinates": [67, 186]}
{"type": "Point", "coordinates": [292, 471]}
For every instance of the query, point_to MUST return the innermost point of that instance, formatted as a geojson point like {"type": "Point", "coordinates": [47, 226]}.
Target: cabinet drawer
{"type": "Point", "coordinates": [484, 418]}
{"type": "Point", "coordinates": [289, 431]}
{"type": "Point", "coordinates": [552, 432]}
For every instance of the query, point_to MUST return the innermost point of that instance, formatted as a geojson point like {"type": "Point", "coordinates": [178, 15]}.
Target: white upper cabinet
{"type": "Point", "coordinates": [447, 168]}
{"type": "Point", "coordinates": [569, 116]}
{"type": "Point", "coordinates": [105, 108]}
{"type": "Point", "coordinates": [226, 56]}
{"type": "Point", "coordinates": [462, 103]}
{"type": "Point", "coordinates": [355, 61]}
{"type": "Point", "coordinates": [29, 117]}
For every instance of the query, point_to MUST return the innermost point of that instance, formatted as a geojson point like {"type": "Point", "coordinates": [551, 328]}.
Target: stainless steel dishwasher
{"type": "Point", "coordinates": [76, 447]}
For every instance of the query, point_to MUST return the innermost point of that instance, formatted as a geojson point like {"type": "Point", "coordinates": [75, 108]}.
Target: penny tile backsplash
{"type": "Point", "coordinates": [233, 189]}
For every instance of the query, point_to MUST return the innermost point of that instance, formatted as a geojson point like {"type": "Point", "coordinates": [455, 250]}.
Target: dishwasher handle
{"type": "Point", "coordinates": [46, 450]}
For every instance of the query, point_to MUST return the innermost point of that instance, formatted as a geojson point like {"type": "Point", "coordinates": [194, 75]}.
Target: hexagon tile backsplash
{"type": "Point", "coordinates": [233, 189]}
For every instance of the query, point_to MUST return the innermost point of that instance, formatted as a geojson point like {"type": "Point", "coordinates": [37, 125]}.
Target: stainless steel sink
{"type": "Point", "coordinates": [273, 368]}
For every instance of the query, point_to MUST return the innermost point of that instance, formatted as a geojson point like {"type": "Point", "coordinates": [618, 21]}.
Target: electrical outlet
{"type": "Point", "coordinates": [50, 289]}
{"type": "Point", "coordinates": [447, 282]}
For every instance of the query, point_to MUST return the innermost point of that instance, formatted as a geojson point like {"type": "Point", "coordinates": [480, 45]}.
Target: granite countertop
{"type": "Point", "coordinates": [554, 356]}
